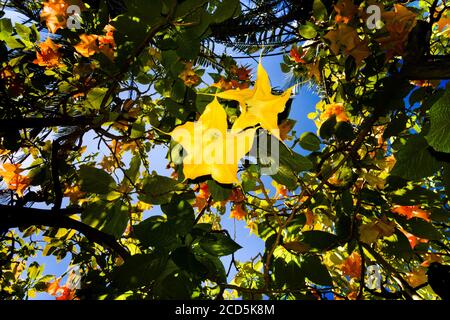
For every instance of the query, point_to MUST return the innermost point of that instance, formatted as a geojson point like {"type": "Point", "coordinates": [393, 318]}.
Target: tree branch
{"type": "Point", "coordinates": [435, 68]}
{"type": "Point", "coordinates": [15, 217]}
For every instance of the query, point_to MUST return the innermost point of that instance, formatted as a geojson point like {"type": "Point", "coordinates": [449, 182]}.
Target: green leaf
{"type": "Point", "coordinates": [400, 247]}
{"type": "Point", "coordinates": [422, 229]}
{"type": "Point", "coordinates": [414, 196]}
{"type": "Point", "coordinates": [344, 131]}
{"type": "Point", "coordinates": [288, 273]}
{"type": "Point", "coordinates": [308, 31]}
{"type": "Point", "coordinates": [94, 180]}
{"type": "Point", "coordinates": [95, 97]}
{"type": "Point", "coordinates": [343, 227]}
{"type": "Point", "coordinates": [109, 217]}
{"type": "Point", "coordinates": [180, 215]}
{"type": "Point", "coordinates": [319, 10]}
{"type": "Point", "coordinates": [218, 191]}
{"type": "Point", "coordinates": [138, 129]}
{"type": "Point", "coordinates": [186, 260]}
{"type": "Point", "coordinates": [133, 171]}
{"type": "Point", "coordinates": [316, 272]}
{"type": "Point", "coordinates": [327, 128]}
{"type": "Point", "coordinates": [6, 29]}
{"type": "Point", "coordinates": [226, 10]}
{"type": "Point", "coordinates": [156, 232]}
{"type": "Point", "coordinates": [319, 239]}
{"type": "Point", "coordinates": [439, 135]}
{"type": "Point", "coordinates": [290, 165]}
{"type": "Point", "coordinates": [176, 286]}
{"type": "Point", "coordinates": [23, 31]}
{"type": "Point", "coordinates": [139, 270]}
{"type": "Point", "coordinates": [158, 189]}
{"type": "Point", "coordinates": [219, 244]}
{"type": "Point", "coordinates": [309, 141]}
{"type": "Point", "coordinates": [215, 269]}
{"type": "Point", "coordinates": [414, 161]}
{"type": "Point", "coordinates": [188, 46]}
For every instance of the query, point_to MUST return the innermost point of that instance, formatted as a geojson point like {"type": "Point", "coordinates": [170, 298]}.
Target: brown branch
{"type": "Point", "coordinates": [432, 69]}
{"type": "Point", "coordinates": [24, 123]}
{"type": "Point", "coordinates": [15, 217]}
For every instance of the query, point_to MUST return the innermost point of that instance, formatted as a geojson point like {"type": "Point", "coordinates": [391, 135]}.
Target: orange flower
{"type": "Point", "coordinates": [12, 177]}
{"type": "Point", "coordinates": [238, 212]}
{"type": "Point", "coordinates": [411, 212]}
{"type": "Point", "coordinates": [55, 14]}
{"type": "Point", "coordinates": [413, 240]}
{"type": "Point", "coordinates": [281, 190]}
{"type": "Point", "coordinates": [11, 81]}
{"type": "Point", "coordinates": [346, 39]}
{"type": "Point", "coordinates": [296, 56]}
{"type": "Point", "coordinates": [426, 83]}
{"type": "Point", "coordinates": [352, 265]}
{"type": "Point", "coordinates": [236, 196]}
{"type": "Point", "coordinates": [60, 292]}
{"type": "Point", "coordinates": [74, 193]}
{"type": "Point", "coordinates": [88, 45]}
{"type": "Point", "coordinates": [309, 218]}
{"type": "Point", "coordinates": [107, 44]}
{"type": "Point", "coordinates": [444, 23]}
{"type": "Point", "coordinates": [430, 258]}
{"type": "Point", "coordinates": [91, 44]}
{"type": "Point", "coordinates": [399, 24]}
{"type": "Point", "coordinates": [345, 11]}
{"type": "Point", "coordinates": [201, 199]}
{"type": "Point", "coordinates": [189, 76]}
{"type": "Point", "coordinates": [242, 73]}
{"type": "Point", "coordinates": [336, 109]}
{"type": "Point", "coordinates": [285, 127]}
{"type": "Point", "coordinates": [228, 85]}
{"type": "Point", "coordinates": [48, 55]}
{"type": "Point", "coordinates": [417, 277]}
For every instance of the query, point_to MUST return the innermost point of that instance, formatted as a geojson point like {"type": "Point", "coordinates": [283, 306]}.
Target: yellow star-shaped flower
{"type": "Point", "coordinates": [258, 105]}
{"type": "Point", "coordinates": [211, 148]}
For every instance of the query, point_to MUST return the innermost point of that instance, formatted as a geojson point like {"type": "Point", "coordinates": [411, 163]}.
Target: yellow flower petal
{"type": "Point", "coordinates": [258, 105]}
{"type": "Point", "coordinates": [211, 149]}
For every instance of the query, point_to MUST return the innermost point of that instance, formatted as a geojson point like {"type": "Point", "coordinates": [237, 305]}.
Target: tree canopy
{"type": "Point", "coordinates": [89, 89]}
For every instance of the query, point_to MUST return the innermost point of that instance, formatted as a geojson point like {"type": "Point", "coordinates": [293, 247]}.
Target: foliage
{"type": "Point", "coordinates": [82, 112]}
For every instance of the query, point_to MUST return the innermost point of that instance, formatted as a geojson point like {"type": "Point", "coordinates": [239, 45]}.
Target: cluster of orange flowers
{"type": "Point", "coordinates": [398, 24]}
{"type": "Point", "coordinates": [189, 77]}
{"type": "Point", "coordinates": [12, 176]}
{"type": "Point", "coordinates": [239, 79]}
{"type": "Point", "coordinates": [335, 109]}
{"type": "Point", "coordinates": [54, 13]}
{"type": "Point", "coordinates": [11, 81]}
{"type": "Point", "coordinates": [296, 56]}
{"type": "Point", "coordinates": [91, 44]}
{"type": "Point", "coordinates": [236, 197]}
{"type": "Point", "coordinates": [60, 292]}
{"type": "Point", "coordinates": [48, 55]}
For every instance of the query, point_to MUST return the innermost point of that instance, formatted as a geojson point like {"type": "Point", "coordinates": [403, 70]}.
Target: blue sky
{"type": "Point", "coordinates": [304, 103]}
